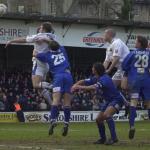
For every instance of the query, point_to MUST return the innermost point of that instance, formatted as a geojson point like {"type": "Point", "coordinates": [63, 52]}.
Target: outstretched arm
{"type": "Point", "coordinates": [74, 87]}
{"type": "Point", "coordinates": [18, 40]}
{"type": "Point", "coordinates": [87, 88]}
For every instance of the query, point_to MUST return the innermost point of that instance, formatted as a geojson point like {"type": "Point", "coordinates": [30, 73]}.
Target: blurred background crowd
{"type": "Point", "coordinates": [16, 86]}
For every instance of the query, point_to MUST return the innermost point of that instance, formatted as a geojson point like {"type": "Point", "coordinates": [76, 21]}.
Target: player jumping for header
{"type": "Point", "coordinates": [59, 67]}
{"type": "Point", "coordinates": [39, 69]}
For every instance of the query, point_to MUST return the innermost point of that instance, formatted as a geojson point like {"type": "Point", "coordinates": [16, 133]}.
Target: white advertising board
{"type": "Point", "coordinates": [75, 35]}
{"type": "Point", "coordinates": [80, 116]}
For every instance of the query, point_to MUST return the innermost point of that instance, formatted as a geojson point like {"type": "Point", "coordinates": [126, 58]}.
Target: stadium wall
{"type": "Point", "coordinates": [80, 116]}
{"type": "Point", "coordinates": [74, 35]}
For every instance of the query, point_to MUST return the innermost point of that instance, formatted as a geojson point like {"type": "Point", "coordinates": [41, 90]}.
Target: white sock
{"type": "Point", "coordinates": [46, 94]}
{"type": "Point", "coordinates": [45, 85]}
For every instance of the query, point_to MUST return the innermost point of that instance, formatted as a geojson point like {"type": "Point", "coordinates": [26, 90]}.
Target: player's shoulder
{"type": "Point", "coordinates": [105, 78]}
{"type": "Point", "coordinates": [62, 48]}
{"type": "Point", "coordinates": [116, 40]}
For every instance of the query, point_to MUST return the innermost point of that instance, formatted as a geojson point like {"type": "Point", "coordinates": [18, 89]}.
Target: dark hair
{"type": "Point", "coordinates": [143, 41]}
{"type": "Point", "coordinates": [54, 46]}
{"type": "Point", "coordinates": [47, 26]}
{"type": "Point", "coordinates": [99, 68]}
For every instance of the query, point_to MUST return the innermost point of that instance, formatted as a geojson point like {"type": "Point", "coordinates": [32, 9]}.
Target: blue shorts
{"type": "Point", "coordinates": [140, 87]}
{"type": "Point", "coordinates": [62, 83]}
{"type": "Point", "coordinates": [115, 103]}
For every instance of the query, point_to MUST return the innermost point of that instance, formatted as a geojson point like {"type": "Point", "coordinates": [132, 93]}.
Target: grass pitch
{"type": "Point", "coordinates": [30, 136]}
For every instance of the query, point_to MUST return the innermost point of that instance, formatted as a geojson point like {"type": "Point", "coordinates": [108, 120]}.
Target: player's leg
{"type": "Point", "coordinates": [113, 108]}
{"type": "Point", "coordinates": [57, 93]}
{"type": "Point", "coordinates": [38, 76]}
{"type": "Point", "coordinates": [122, 84]}
{"type": "Point", "coordinates": [67, 84]}
{"type": "Point", "coordinates": [67, 112]}
{"type": "Point", "coordinates": [146, 94]}
{"type": "Point", "coordinates": [101, 129]}
{"type": "Point", "coordinates": [132, 116]}
{"type": "Point", "coordinates": [134, 89]}
{"type": "Point", "coordinates": [117, 77]}
{"type": "Point", "coordinates": [54, 111]}
{"type": "Point", "coordinates": [36, 81]}
{"type": "Point", "coordinates": [39, 72]}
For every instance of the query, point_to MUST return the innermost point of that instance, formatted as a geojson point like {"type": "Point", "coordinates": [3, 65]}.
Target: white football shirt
{"type": "Point", "coordinates": [40, 46]}
{"type": "Point", "coordinates": [117, 48]}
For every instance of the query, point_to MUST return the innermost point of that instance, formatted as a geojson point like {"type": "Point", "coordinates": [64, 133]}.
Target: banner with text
{"type": "Point", "coordinates": [80, 116]}
{"type": "Point", "coordinates": [76, 35]}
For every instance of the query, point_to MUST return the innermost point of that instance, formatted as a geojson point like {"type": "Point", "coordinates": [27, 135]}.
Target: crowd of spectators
{"type": "Point", "coordinates": [16, 86]}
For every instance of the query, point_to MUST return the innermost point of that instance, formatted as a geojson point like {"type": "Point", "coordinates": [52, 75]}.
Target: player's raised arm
{"type": "Point", "coordinates": [18, 40]}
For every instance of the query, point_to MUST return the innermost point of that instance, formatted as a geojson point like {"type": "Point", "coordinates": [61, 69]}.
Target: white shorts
{"type": "Point", "coordinates": [118, 75]}
{"type": "Point", "coordinates": [39, 68]}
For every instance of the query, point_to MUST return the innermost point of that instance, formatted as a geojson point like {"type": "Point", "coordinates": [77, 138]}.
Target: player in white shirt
{"type": "Point", "coordinates": [115, 54]}
{"type": "Point", "coordinates": [39, 69]}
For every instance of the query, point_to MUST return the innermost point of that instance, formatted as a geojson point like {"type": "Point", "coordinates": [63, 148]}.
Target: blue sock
{"type": "Point", "coordinates": [132, 116]}
{"type": "Point", "coordinates": [54, 113]}
{"type": "Point", "coordinates": [111, 125]}
{"type": "Point", "coordinates": [67, 113]}
{"type": "Point", "coordinates": [101, 129]}
{"type": "Point", "coordinates": [149, 114]}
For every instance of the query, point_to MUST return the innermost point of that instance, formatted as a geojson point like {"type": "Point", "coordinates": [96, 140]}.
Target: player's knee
{"type": "Point", "coordinates": [35, 85]}
{"type": "Point", "coordinates": [106, 116]}
{"type": "Point", "coordinates": [134, 102]}
{"type": "Point", "coordinates": [99, 119]}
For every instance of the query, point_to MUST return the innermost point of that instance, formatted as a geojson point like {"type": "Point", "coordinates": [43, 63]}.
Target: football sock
{"type": "Point", "coordinates": [54, 113]}
{"type": "Point", "coordinates": [101, 129]}
{"type": "Point", "coordinates": [45, 85]}
{"type": "Point", "coordinates": [132, 116]}
{"type": "Point", "coordinates": [47, 96]}
{"type": "Point", "coordinates": [111, 126]}
{"type": "Point", "coordinates": [67, 113]}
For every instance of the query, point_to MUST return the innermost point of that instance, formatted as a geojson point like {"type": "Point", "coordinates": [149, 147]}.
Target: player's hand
{"type": "Point", "coordinates": [75, 88]}
{"type": "Point", "coordinates": [8, 43]}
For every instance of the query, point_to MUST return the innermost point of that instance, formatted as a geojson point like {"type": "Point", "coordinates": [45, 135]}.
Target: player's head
{"type": "Point", "coordinates": [46, 27]}
{"type": "Point", "coordinates": [53, 45]}
{"type": "Point", "coordinates": [98, 69]}
{"type": "Point", "coordinates": [109, 35]}
{"type": "Point", "coordinates": [141, 42]}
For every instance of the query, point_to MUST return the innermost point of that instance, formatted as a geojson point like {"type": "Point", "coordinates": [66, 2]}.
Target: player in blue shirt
{"type": "Point", "coordinates": [59, 67]}
{"type": "Point", "coordinates": [137, 69]}
{"type": "Point", "coordinates": [103, 84]}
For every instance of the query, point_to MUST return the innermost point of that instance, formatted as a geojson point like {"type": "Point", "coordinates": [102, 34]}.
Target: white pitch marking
{"type": "Point", "coordinates": [26, 147]}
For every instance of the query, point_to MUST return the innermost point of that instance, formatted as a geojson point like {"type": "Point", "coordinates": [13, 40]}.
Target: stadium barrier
{"type": "Point", "coordinates": [76, 116]}
{"type": "Point", "coordinates": [8, 117]}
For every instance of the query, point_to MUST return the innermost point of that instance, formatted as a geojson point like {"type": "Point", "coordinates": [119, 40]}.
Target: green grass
{"type": "Point", "coordinates": [81, 137]}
